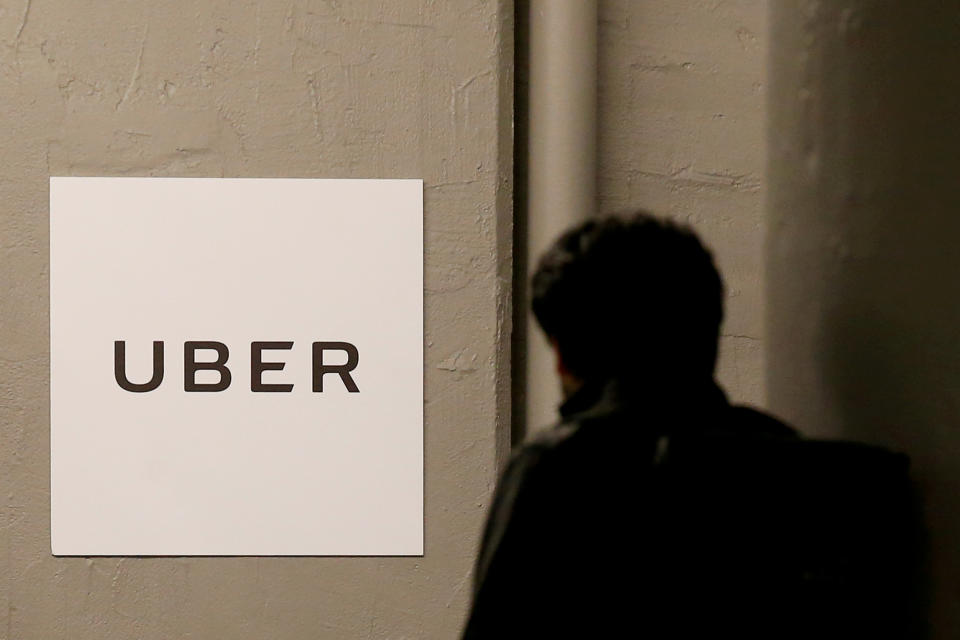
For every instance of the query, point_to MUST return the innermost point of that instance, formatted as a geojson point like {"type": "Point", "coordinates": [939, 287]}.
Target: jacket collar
{"type": "Point", "coordinates": [617, 395]}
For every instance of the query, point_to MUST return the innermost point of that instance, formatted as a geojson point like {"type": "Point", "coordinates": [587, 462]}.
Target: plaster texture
{"type": "Point", "coordinates": [681, 132]}
{"type": "Point", "coordinates": [301, 88]}
{"type": "Point", "coordinates": [863, 312]}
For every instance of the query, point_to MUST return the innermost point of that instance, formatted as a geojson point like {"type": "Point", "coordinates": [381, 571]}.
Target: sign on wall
{"type": "Point", "coordinates": [236, 366]}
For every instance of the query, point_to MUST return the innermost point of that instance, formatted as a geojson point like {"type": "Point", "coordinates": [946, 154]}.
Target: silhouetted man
{"type": "Point", "coordinates": [655, 509]}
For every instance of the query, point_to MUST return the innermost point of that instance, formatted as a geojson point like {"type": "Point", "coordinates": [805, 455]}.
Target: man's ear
{"type": "Point", "coordinates": [569, 383]}
{"type": "Point", "coordinates": [562, 370]}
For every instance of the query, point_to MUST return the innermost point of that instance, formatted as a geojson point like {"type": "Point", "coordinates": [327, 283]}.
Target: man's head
{"type": "Point", "coordinates": [630, 297]}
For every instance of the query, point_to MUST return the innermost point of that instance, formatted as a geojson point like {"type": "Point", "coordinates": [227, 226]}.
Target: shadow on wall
{"type": "Point", "coordinates": [865, 217]}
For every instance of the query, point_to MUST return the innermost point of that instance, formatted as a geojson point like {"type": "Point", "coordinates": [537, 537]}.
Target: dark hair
{"type": "Point", "coordinates": [630, 296]}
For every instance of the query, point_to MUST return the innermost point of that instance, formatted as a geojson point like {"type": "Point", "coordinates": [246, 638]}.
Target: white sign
{"type": "Point", "coordinates": [236, 366]}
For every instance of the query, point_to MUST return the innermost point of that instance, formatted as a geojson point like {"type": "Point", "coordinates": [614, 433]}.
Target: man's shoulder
{"type": "Point", "coordinates": [741, 420]}
{"type": "Point", "coordinates": [577, 436]}
{"type": "Point", "coordinates": [591, 443]}
{"type": "Point", "coordinates": [753, 422]}
{"type": "Point", "coordinates": [540, 450]}
{"type": "Point", "coordinates": [585, 450]}
{"type": "Point", "coordinates": [553, 437]}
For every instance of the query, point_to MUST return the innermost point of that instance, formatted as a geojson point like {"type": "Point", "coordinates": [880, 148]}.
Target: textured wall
{"type": "Point", "coordinates": [862, 252]}
{"type": "Point", "coordinates": [411, 88]}
{"type": "Point", "coordinates": [681, 133]}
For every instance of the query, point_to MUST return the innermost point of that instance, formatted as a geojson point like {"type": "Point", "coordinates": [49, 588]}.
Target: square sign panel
{"type": "Point", "coordinates": [236, 366]}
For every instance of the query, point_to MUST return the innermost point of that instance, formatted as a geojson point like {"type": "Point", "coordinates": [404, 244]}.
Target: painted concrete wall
{"type": "Point", "coordinates": [682, 133]}
{"type": "Point", "coordinates": [410, 88]}
{"type": "Point", "coordinates": [862, 253]}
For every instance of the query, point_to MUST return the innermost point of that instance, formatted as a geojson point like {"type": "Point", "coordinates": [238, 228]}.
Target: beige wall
{"type": "Point", "coordinates": [301, 89]}
{"type": "Point", "coordinates": [862, 252]}
{"type": "Point", "coordinates": [681, 133]}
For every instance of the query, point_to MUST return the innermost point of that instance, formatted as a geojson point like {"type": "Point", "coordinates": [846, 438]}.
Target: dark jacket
{"type": "Point", "coordinates": [594, 532]}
